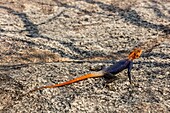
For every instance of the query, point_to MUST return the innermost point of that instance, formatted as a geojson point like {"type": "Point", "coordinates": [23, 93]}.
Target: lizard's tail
{"type": "Point", "coordinates": [95, 74]}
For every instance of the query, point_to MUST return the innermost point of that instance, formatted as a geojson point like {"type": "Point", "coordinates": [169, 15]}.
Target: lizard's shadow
{"type": "Point", "coordinates": [110, 79]}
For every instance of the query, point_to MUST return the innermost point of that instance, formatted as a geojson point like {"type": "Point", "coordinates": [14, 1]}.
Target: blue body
{"type": "Point", "coordinates": [118, 67]}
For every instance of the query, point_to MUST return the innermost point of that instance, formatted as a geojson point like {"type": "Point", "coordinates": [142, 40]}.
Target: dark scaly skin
{"type": "Point", "coordinates": [107, 72]}
{"type": "Point", "coordinates": [118, 67]}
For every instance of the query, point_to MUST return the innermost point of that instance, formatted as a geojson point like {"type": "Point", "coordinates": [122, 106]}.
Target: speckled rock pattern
{"type": "Point", "coordinates": [46, 30]}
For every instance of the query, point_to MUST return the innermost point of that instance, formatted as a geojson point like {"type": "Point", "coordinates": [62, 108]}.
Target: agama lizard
{"type": "Point", "coordinates": [106, 72]}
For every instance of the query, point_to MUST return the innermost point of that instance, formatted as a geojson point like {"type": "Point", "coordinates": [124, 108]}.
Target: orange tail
{"type": "Point", "coordinates": [95, 74]}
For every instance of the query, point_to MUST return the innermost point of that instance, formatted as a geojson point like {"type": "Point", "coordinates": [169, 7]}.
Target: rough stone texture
{"type": "Point", "coordinates": [33, 32]}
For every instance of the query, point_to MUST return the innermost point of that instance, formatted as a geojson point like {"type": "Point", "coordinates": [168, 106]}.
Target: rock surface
{"type": "Point", "coordinates": [36, 35]}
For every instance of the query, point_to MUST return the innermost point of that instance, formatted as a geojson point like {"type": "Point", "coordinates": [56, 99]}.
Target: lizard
{"type": "Point", "coordinates": [106, 72]}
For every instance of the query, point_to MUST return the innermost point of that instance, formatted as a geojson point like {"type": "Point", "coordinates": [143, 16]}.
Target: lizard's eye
{"type": "Point", "coordinates": [136, 55]}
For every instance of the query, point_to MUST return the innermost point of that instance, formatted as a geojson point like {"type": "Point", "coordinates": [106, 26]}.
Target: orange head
{"type": "Point", "coordinates": [135, 54]}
